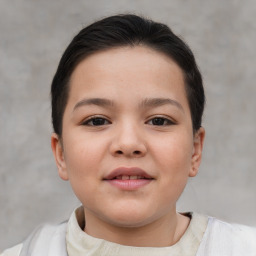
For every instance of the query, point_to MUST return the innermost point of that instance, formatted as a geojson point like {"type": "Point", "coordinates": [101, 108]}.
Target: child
{"type": "Point", "coordinates": [127, 104]}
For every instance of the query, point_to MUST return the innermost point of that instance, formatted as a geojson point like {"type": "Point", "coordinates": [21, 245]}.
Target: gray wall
{"type": "Point", "coordinates": [33, 35]}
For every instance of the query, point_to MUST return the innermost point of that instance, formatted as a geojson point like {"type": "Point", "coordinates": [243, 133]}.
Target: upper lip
{"type": "Point", "coordinates": [128, 171]}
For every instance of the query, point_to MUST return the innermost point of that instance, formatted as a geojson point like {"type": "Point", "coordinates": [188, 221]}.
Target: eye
{"type": "Point", "coordinates": [96, 121]}
{"type": "Point", "coordinates": [160, 121]}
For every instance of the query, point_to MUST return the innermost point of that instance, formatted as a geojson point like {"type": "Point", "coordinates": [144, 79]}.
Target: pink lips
{"type": "Point", "coordinates": [128, 178]}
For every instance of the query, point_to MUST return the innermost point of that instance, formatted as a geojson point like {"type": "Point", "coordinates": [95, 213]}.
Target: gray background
{"type": "Point", "coordinates": [33, 35]}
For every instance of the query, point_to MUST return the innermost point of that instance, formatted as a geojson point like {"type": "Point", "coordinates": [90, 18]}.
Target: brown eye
{"type": "Point", "coordinates": [160, 121]}
{"type": "Point", "coordinates": [96, 121]}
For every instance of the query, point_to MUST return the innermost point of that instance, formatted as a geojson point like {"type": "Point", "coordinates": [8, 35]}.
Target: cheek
{"type": "Point", "coordinates": [82, 157]}
{"type": "Point", "coordinates": [174, 162]}
{"type": "Point", "coordinates": [82, 161]}
{"type": "Point", "coordinates": [174, 153]}
{"type": "Point", "coordinates": [173, 157]}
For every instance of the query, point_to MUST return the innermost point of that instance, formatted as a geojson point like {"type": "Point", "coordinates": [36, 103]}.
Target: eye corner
{"type": "Point", "coordinates": [161, 121]}
{"type": "Point", "coordinates": [95, 121]}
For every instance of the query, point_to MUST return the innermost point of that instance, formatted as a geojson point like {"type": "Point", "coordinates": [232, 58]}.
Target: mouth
{"type": "Point", "coordinates": [128, 178]}
{"type": "Point", "coordinates": [131, 177]}
{"type": "Point", "coordinates": [128, 173]}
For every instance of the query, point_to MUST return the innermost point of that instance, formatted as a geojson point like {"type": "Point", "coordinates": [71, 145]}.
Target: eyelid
{"type": "Point", "coordinates": [170, 120]}
{"type": "Point", "coordinates": [90, 118]}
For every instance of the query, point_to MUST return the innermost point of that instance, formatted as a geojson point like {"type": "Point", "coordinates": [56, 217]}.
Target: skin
{"type": "Point", "coordinates": [132, 131]}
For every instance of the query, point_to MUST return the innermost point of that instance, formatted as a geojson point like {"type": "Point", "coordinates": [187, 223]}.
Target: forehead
{"type": "Point", "coordinates": [138, 69]}
{"type": "Point", "coordinates": [124, 55]}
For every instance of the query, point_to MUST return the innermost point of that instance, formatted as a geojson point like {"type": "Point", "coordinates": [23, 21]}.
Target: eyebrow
{"type": "Point", "coordinates": [94, 101]}
{"type": "Point", "coordinates": [157, 102]}
{"type": "Point", "coordinates": [146, 103]}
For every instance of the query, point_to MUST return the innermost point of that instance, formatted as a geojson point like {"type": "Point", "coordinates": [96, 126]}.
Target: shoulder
{"type": "Point", "coordinates": [13, 251]}
{"type": "Point", "coordinates": [222, 238]}
{"type": "Point", "coordinates": [232, 231]}
{"type": "Point", "coordinates": [44, 240]}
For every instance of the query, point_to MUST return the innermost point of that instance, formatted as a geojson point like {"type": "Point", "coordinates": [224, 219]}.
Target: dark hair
{"type": "Point", "coordinates": [127, 30]}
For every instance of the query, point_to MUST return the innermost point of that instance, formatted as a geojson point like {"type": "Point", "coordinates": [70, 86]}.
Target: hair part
{"type": "Point", "coordinates": [126, 30]}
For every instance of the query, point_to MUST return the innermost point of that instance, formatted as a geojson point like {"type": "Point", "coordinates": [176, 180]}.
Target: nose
{"type": "Point", "coordinates": [128, 141]}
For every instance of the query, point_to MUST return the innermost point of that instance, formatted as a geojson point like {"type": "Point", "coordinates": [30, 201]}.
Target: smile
{"type": "Point", "coordinates": [128, 178]}
{"type": "Point", "coordinates": [132, 177]}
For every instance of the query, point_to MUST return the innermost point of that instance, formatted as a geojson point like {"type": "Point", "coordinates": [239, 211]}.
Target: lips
{"type": "Point", "coordinates": [125, 173]}
{"type": "Point", "coordinates": [128, 179]}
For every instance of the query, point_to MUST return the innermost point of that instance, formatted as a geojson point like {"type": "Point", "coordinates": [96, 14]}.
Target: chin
{"type": "Point", "coordinates": [130, 223]}
{"type": "Point", "coordinates": [130, 219]}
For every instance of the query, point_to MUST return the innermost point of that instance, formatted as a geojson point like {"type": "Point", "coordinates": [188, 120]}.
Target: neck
{"type": "Point", "coordinates": [163, 232]}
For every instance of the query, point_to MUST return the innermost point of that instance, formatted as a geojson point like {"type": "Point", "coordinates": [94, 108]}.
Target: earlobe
{"type": "Point", "coordinates": [58, 153]}
{"type": "Point", "coordinates": [197, 151]}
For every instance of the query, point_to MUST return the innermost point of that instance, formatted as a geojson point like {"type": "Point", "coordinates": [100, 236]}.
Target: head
{"type": "Point", "coordinates": [127, 102]}
{"type": "Point", "coordinates": [120, 31]}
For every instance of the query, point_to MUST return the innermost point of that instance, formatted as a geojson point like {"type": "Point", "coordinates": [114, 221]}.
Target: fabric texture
{"type": "Point", "coordinates": [47, 240]}
{"type": "Point", "coordinates": [80, 243]}
{"type": "Point", "coordinates": [205, 236]}
{"type": "Point", "coordinates": [222, 238]}
{"type": "Point", "coordinates": [14, 251]}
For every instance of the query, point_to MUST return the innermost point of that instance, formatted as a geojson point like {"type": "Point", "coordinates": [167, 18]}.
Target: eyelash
{"type": "Point", "coordinates": [166, 121]}
{"type": "Point", "coordinates": [163, 121]}
{"type": "Point", "coordinates": [95, 118]}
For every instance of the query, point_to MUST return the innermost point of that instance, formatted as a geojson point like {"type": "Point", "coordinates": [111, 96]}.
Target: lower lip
{"type": "Point", "coordinates": [129, 184]}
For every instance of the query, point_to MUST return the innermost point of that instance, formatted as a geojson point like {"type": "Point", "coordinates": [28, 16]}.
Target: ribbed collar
{"type": "Point", "coordinates": [80, 243]}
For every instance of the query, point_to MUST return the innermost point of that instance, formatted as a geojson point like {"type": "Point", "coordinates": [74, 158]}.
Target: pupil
{"type": "Point", "coordinates": [158, 121]}
{"type": "Point", "coordinates": [98, 121]}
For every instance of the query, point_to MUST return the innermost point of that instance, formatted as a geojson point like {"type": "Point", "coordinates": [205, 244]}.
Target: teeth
{"type": "Point", "coordinates": [127, 177]}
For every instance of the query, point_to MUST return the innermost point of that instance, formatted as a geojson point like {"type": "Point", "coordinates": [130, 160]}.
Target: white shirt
{"type": "Point", "coordinates": [205, 236]}
{"type": "Point", "coordinates": [79, 243]}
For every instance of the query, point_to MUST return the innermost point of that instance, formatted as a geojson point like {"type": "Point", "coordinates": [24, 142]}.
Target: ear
{"type": "Point", "coordinates": [197, 151]}
{"type": "Point", "coordinates": [58, 153]}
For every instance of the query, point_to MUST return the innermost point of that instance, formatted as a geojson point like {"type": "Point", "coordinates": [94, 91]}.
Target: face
{"type": "Point", "coordinates": [127, 145]}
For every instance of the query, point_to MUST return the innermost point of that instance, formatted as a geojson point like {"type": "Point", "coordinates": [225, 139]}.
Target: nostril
{"type": "Point", "coordinates": [119, 152]}
{"type": "Point", "coordinates": [136, 152]}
